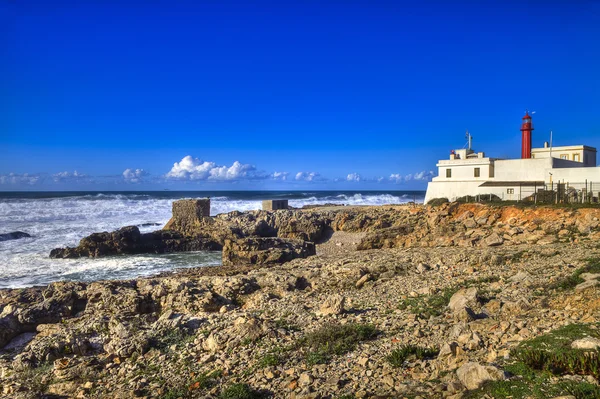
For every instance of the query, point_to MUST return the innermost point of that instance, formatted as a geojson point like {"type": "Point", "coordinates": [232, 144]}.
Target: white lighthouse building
{"type": "Point", "coordinates": [467, 172]}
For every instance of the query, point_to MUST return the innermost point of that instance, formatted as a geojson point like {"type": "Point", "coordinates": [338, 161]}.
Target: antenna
{"type": "Point", "coordinates": [469, 139]}
{"type": "Point", "coordinates": [550, 143]}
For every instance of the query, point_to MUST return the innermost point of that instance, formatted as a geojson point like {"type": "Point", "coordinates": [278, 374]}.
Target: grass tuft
{"type": "Point", "coordinates": [335, 339]}
{"type": "Point", "coordinates": [400, 355]}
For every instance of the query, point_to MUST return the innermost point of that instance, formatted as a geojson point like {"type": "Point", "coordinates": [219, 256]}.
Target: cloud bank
{"type": "Point", "coordinates": [194, 169]}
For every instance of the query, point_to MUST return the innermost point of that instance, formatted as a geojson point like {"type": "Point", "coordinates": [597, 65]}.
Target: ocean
{"type": "Point", "coordinates": [60, 219]}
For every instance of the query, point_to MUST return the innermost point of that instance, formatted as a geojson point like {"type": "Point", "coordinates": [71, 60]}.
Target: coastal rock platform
{"type": "Point", "coordinates": [347, 321]}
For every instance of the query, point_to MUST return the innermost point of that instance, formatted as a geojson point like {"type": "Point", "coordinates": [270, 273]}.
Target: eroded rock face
{"type": "Point", "coordinates": [265, 251]}
{"type": "Point", "coordinates": [129, 240]}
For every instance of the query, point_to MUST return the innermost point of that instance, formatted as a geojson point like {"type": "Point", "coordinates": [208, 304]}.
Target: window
{"type": "Point", "coordinates": [564, 156]}
{"type": "Point", "coordinates": [448, 173]}
{"type": "Point", "coordinates": [576, 157]}
{"type": "Point", "coordinates": [510, 191]}
{"type": "Point", "coordinates": [476, 172]}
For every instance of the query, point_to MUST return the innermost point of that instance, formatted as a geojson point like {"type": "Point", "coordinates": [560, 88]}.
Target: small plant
{"type": "Point", "coordinates": [400, 355]}
{"type": "Point", "coordinates": [437, 201]}
{"type": "Point", "coordinates": [571, 281]}
{"type": "Point", "coordinates": [335, 339]}
{"type": "Point", "coordinates": [167, 339]}
{"type": "Point", "coordinates": [552, 352]}
{"type": "Point", "coordinates": [205, 380]}
{"type": "Point", "coordinates": [269, 360]}
{"type": "Point", "coordinates": [432, 305]}
{"type": "Point", "coordinates": [239, 391]}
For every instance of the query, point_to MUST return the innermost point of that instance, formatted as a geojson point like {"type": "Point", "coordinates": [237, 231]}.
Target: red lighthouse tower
{"type": "Point", "coordinates": [526, 129]}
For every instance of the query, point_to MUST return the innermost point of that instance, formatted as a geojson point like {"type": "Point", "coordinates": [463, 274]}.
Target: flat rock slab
{"type": "Point", "coordinates": [587, 284]}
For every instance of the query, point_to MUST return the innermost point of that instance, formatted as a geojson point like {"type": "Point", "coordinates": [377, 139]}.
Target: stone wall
{"type": "Point", "coordinates": [273, 205]}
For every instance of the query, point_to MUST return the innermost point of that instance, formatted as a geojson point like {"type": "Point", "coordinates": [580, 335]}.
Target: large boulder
{"type": "Point", "coordinates": [265, 250]}
{"type": "Point", "coordinates": [129, 240]}
{"type": "Point", "coordinates": [473, 375]}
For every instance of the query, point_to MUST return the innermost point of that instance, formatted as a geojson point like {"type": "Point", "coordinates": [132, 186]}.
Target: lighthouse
{"type": "Point", "coordinates": [526, 129]}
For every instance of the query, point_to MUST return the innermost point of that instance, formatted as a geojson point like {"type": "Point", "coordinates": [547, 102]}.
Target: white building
{"type": "Point", "coordinates": [469, 173]}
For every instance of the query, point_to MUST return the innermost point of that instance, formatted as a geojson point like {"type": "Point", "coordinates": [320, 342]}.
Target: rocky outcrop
{"type": "Point", "coordinates": [129, 240]}
{"type": "Point", "coordinates": [15, 235]}
{"type": "Point", "coordinates": [265, 251]}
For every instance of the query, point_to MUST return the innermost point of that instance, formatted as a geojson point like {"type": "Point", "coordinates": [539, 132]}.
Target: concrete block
{"type": "Point", "coordinates": [273, 205]}
{"type": "Point", "coordinates": [189, 209]}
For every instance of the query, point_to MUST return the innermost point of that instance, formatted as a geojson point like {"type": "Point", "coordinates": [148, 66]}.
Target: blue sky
{"type": "Point", "coordinates": [332, 94]}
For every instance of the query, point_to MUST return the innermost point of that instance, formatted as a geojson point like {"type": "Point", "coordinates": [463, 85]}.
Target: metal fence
{"type": "Point", "coordinates": [561, 192]}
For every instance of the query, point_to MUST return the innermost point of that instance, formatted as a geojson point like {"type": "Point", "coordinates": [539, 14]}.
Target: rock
{"type": "Point", "coordinates": [129, 240]}
{"type": "Point", "coordinates": [333, 305]}
{"type": "Point", "coordinates": [586, 343]}
{"type": "Point", "coordinates": [473, 375]}
{"type": "Point", "coordinates": [15, 235]}
{"type": "Point", "coordinates": [305, 379]}
{"type": "Point", "coordinates": [463, 298]}
{"type": "Point", "coordinates": [422, 268]}
{"type": "Point", "coordinates": [211, 344]}
{"type": "Point", "coordinates": [493, 240]}
{"type": "Point", "coordinates": [361, 281]}
{"type": "Point", "coordinates": [265, 251]}
{"type": "Point", "coordinates": [586, 284]}
{"type": "Point", "coordinates": [465, 314]}
{"type": "Point", "coordinates": [392, 237]}
{"type": "Point", "coordinates": [590, 276]}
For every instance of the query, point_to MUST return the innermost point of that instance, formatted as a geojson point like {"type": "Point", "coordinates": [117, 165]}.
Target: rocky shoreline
{"type": "Point", "coordinates": [392, 301]}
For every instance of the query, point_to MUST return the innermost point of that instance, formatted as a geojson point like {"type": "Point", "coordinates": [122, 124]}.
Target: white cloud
{"type": "Point", "coordinates": [25, 178]}
{"type": "Point", "coordinates": [353, 177]}
{"type": "Point", "coordinates": [396, 177]}
{"type": "Point", "coordinates": [194, 169]}
{"type": "Point", "coordinates": [280, 175]}
{"type": "Point", "coordinates": [134, 175]}
{"type": "Point", "coordinates": [307, 176]}
{"type": "Point", "coordinates": [419, 176]}
{"type": "Point", "coordinates": [68, 176]}
{"type": "Point", "coordinates": [424, 175]}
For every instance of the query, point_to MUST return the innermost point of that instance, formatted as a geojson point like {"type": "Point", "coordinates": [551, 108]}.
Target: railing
{"type": "Point", "coordinates": [561, 192]}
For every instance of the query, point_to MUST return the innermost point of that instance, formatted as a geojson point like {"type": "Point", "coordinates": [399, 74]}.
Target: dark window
{"type": "Point", "coordinates": [476, 173]}
{"type": "Point", "coordinates": [510, 191]}
{"type": "Point", "coordinates": [448, 172]}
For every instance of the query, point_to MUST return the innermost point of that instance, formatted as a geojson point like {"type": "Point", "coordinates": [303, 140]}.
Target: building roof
{"type": "Point", "coordinates": [512, 183]}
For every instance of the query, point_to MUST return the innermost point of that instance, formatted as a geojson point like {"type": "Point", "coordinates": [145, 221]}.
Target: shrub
{"type": "Point", "coordinates": [552, 352]}
{"type": "Point", "coordinates": [437, 201]}
{"type": "Point", "coordinates": [432, 305]}
{"type": "Point", "coordinates": [335, 339]}
{"type": "Point", "coordinates": [400, 355]}
{"type": "Point", "coordinates": [239, 391]}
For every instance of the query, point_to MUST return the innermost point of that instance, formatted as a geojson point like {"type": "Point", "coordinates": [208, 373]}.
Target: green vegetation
{"type": "Point", "coordinates": [400, 355]}
{"type": "Point", "coordinates": [269, 360]}
{"type": "Point", "coordinates": [527, 383]}
{"type": "Point", "coordinates": [571, 281]}
{"type": "Point", "coordinates": [432, 305]}
{"type": "Point", "coordinates": [540, 362]}
{"type": "Point", "coordinates": [239, 391]}
{"type": "Point", "coordinates": [482, 198]}
{"type": "Point", "coordinates": [334, 339]}
{"type": "Point", "coordinates": [552, 352]}
{"type": "Point", "coordinates": [167, 339]}
{"type": "Point", "coordinates": [437, 201]}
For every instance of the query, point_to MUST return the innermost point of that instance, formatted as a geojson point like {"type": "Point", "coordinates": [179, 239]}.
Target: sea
{"type": "Point", "coordinates": [60, 219]}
